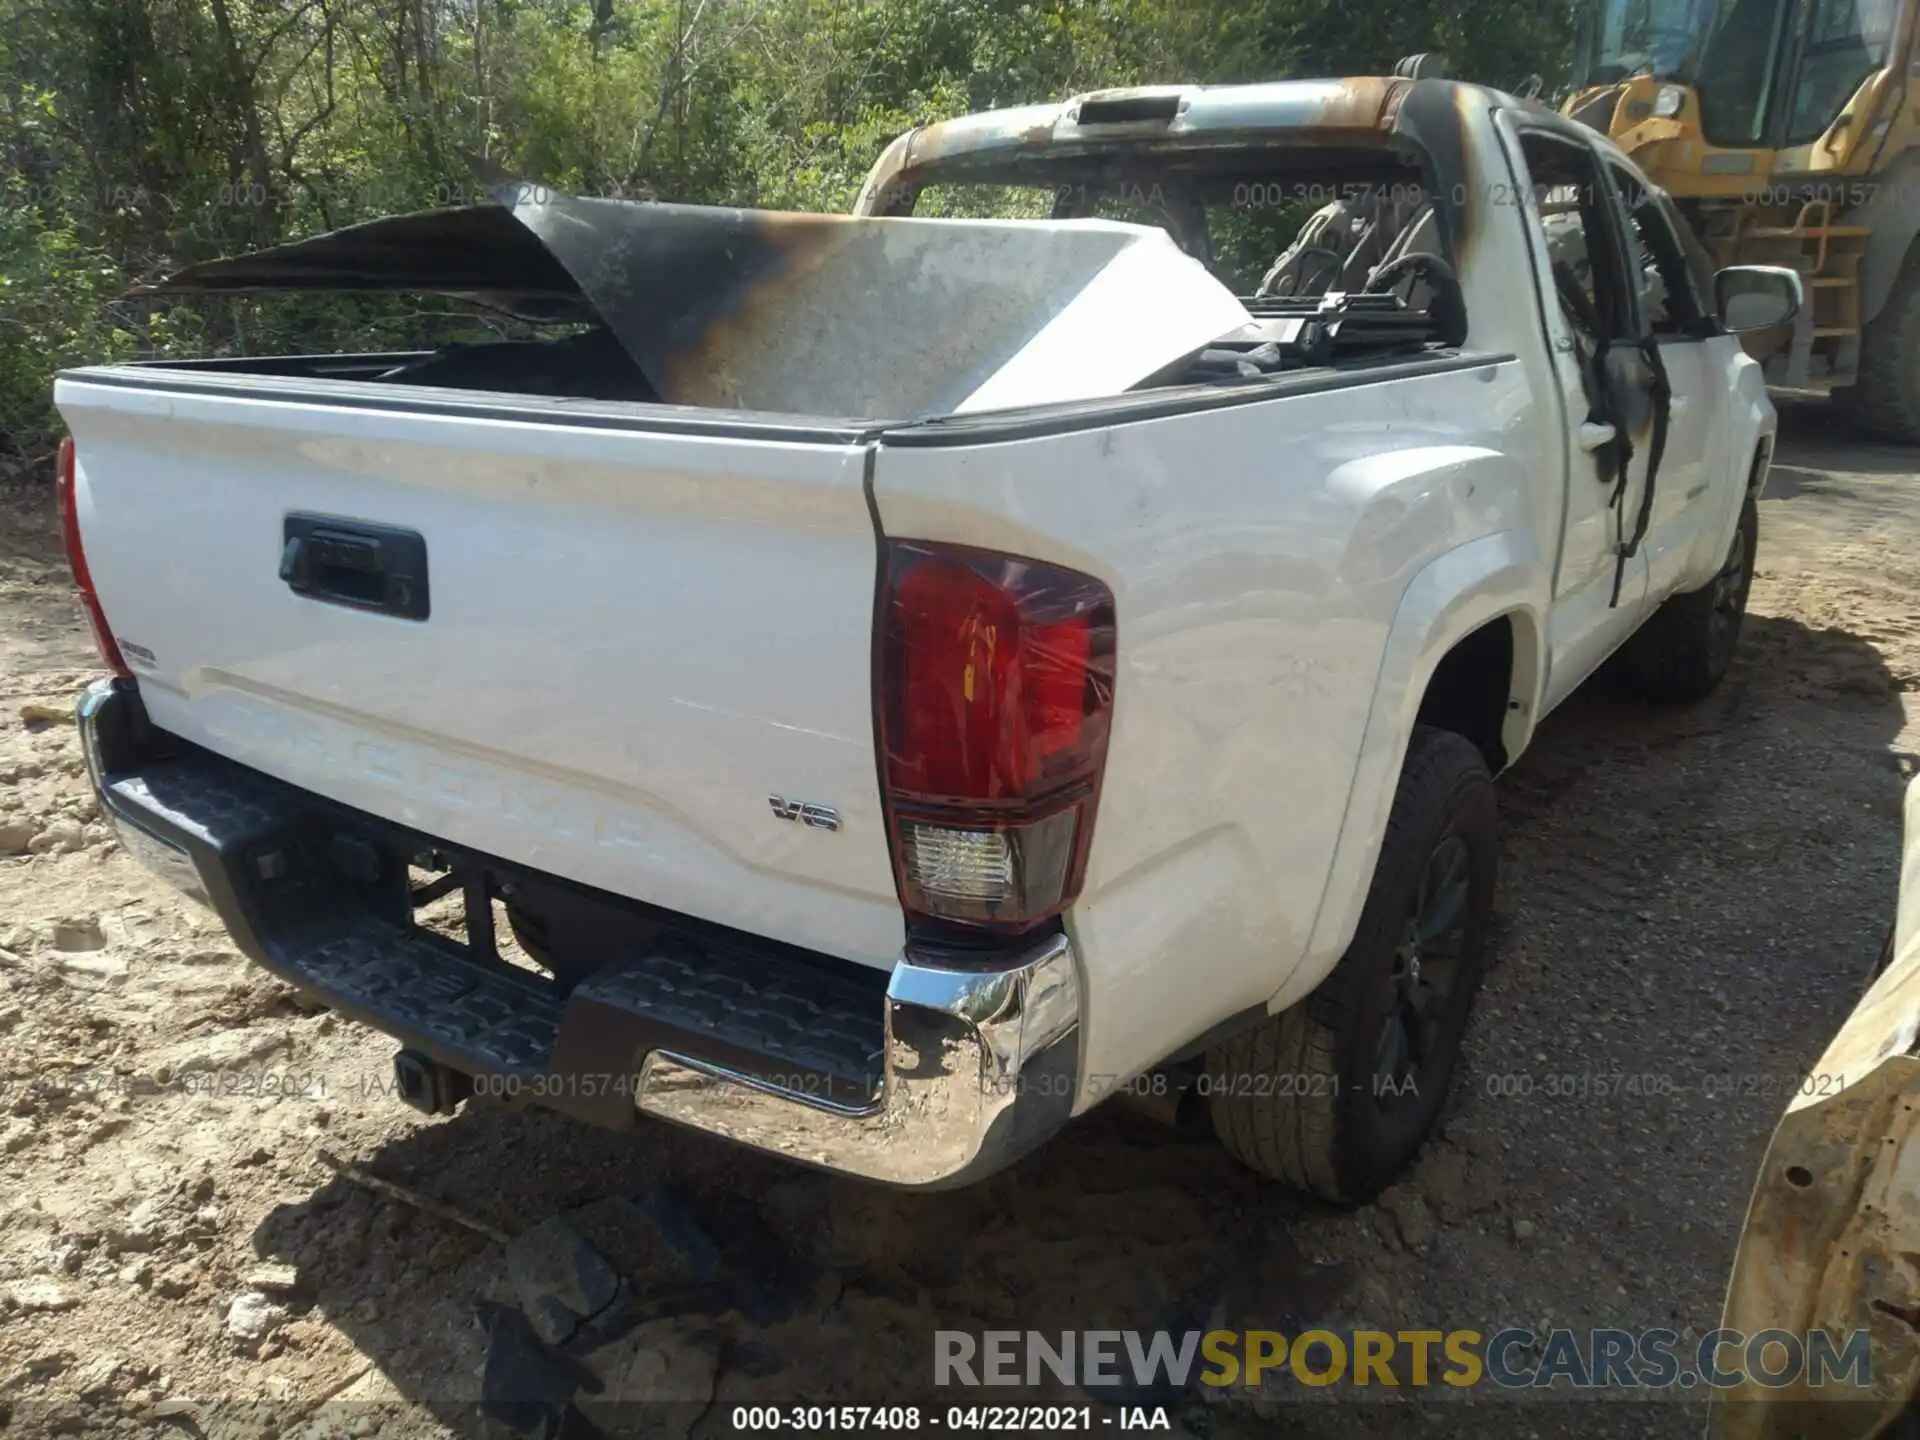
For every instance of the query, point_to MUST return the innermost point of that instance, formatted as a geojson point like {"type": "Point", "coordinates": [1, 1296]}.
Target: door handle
{"type": "Point", "coordinates": [1594, 434]}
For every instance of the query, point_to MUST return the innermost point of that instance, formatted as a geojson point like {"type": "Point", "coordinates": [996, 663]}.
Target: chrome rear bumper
{"type": "Point", "coordinates": [980, 1067]}
{"type": "Point", "coordinates": [970, 1061]}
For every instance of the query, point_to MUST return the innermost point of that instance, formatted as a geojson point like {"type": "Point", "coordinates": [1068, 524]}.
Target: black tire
{"type": "Point", "coordinates": [1684, 650]}
{"type": "Point", "coordinates": [1884, 402]}
{"type": "Point", "coordinates": [1300, 1097]}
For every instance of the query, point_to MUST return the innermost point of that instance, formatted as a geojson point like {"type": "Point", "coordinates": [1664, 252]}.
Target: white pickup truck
{"type": "Point", "coordinates": [902, 678]}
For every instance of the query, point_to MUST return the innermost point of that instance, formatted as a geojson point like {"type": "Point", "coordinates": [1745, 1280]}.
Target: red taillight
{"type": "Point", "coordinates": [995, 696]}
{"type": "Point", "coordinates": [63, 484]}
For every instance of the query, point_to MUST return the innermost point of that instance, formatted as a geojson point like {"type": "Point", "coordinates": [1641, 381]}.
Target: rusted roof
{"type": "Point", "coordinates": [1327, 109]}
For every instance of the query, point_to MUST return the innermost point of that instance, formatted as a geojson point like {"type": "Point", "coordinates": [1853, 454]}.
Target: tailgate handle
{"type": "Point", "coordinates": [348, 562]}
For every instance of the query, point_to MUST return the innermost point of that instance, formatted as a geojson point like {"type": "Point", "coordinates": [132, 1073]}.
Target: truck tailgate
{"type": "Point", "coordinates": [634, 638]}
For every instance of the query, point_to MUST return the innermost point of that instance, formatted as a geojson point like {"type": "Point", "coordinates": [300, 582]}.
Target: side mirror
{"type": "Point", "coordinates": [1758, 297]}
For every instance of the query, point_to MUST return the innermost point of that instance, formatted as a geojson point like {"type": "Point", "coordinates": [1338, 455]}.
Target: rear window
{"type": "Point", "coordinates": [1260, 231]}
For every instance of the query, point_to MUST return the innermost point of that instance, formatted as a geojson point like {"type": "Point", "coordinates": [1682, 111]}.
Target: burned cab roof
{"type": "Point", "coordinates": [1165, 114]}
{"type": "Point", "coordinates": [794, 313]}
{"type": "Point", "coordinates": [1293, 124]}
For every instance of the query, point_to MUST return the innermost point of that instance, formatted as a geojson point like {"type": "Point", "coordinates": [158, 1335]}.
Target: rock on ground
{"type": "Point", "coordinates": [251, 1316]}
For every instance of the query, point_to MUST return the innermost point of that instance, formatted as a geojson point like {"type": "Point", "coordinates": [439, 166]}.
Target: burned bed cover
{"type": "Point", "coordinates": [794, 313]}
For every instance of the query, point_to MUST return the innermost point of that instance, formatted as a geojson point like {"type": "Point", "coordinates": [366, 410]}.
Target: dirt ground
{"type": "Point", "coordinates": [1691, 895]}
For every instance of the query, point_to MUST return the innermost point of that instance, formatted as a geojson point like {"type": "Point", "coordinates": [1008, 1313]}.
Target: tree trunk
{"type": "Point", "coordinates": [248, 165]}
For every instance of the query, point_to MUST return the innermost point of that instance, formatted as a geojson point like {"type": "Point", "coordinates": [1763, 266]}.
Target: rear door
{"type": "Point", "coordinates": [637, 655]}
{"type": "Point", "coordinates": [1696, 359]}
{"type": "Point", "coordinates": [1593, 329]}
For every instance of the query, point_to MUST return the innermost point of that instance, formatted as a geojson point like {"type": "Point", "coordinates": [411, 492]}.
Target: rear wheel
{"type": "Point", "coordinates": [1336, 1095]}
{"type": "Point", "coordinates": [1685, 649]}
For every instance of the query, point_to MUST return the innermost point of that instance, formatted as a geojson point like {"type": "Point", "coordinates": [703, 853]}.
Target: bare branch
{"type": "Point", "coordinates": [274, 37]}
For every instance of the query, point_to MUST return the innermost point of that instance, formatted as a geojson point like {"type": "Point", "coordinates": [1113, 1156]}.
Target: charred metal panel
{"type": "Point", "coordinates": [1358, 104]}
{"type": "Point", "coordinates": [1424, 120]}
{"type": "Point", "coordinates": [1428, 115]}
{"type": "Point", "coordinates": [834, 314]}
{"type": "Point", "coordinates": [800, 314]}
{"type": "Point", "coordinates": [476, 252]}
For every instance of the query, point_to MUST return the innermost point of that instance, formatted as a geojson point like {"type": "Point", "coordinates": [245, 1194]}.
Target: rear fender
{"type": "Point", "coordinates": [1454, 595]}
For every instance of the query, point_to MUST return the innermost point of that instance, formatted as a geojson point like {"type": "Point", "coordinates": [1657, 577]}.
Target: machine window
{"type": "Point", "coordinates": [1740, 57]}
{"type": "Point", "coordinates": [1736, 70]}
{"type": "Point", "coordinates": [1847, 40]}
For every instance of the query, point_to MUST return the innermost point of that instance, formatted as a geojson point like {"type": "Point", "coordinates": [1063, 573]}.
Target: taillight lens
{"type": "Point", "coordinates": [995, 698]}
{"type": "Point", "coordinates": [63, 484]}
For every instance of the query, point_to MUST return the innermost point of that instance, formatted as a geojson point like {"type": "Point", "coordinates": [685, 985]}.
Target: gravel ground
{"type": "Point", "coordinates": [1690, 897]}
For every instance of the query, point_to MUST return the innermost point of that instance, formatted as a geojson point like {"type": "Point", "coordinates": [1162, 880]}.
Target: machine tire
{"type": "Point", "coordinates": [1298, 1096]}
{"type": "Point", "coordinates": [1884, 402]}
{"type": "Point", "coordinates": [1683, 651]}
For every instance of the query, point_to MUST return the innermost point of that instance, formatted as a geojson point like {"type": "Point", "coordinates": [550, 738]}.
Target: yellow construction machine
{"type": "Point", "coordinates": [1789, 130]}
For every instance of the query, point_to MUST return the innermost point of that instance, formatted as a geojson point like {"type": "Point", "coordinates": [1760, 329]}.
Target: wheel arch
{"type": "Point", "coordinates": [1761, 463]}
{"type": "Point", "coordinates": [1472, 690]}
{"type": "Point", "coordinates": [1708, 547]}
{"type": "Point", "coordinates": [1464, 615]}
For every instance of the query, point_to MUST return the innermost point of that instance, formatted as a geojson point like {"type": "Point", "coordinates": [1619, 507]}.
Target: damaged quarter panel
{"type": "Point", "coordinates": [1259, 556]}
{"type": "Point", "coordinates": [1287, 575]}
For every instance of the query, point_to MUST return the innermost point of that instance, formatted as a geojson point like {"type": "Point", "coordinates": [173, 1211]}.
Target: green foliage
{"type": "Point", "coordinates": [140, 135]}
{"type": "Point", "coordinates": [57, 283]}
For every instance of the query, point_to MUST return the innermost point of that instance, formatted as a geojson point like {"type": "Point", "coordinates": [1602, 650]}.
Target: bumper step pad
{"type": "Point", "coordinates": [942, 1071]}
{"type": "Point", "coordinates": [262, 851]}
{"type": "Point", "coordinates": [477, 1022]}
